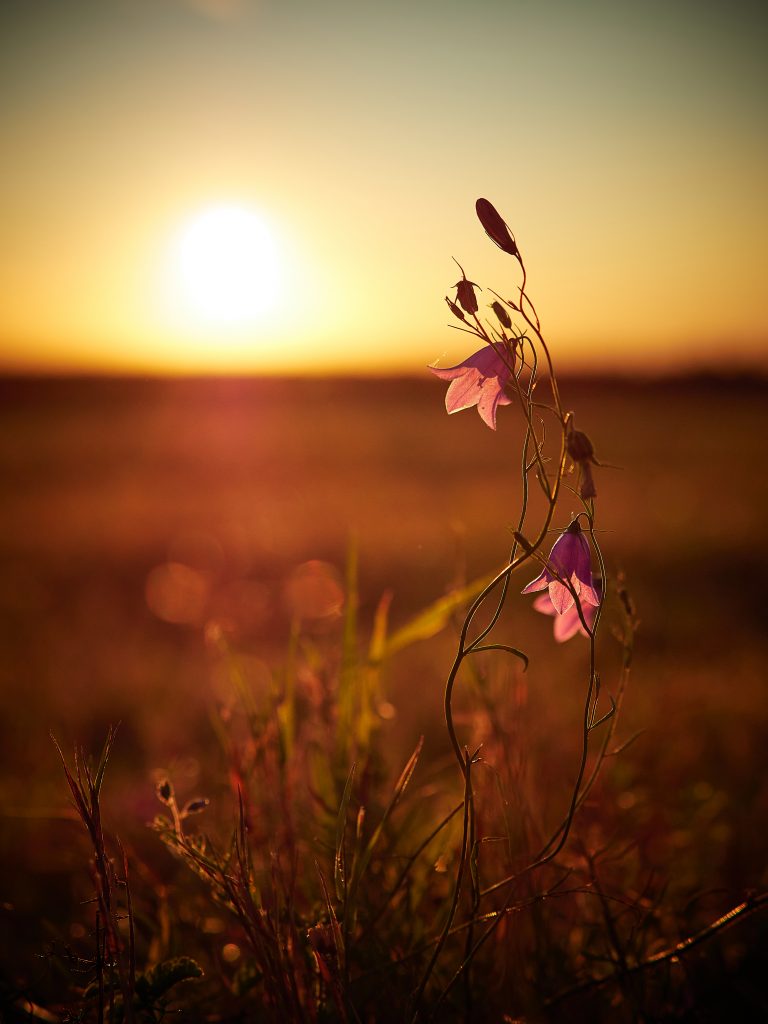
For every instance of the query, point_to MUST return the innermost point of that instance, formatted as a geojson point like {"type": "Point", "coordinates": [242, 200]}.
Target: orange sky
{"type": "Point", "coordinates": [624, 143]}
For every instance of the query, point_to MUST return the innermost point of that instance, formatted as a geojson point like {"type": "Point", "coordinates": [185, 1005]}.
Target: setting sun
{"type": "Point", "coordinates": [224, 267]}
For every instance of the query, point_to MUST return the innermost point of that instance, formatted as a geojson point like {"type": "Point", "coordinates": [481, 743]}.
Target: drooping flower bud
{"type": "Point", "coordinates": [579, 446]}
{"type": "Point", "coordinates": [501, 313]}
{"type": "Point", "coordinates": [587, 487]}
{"type": "Point", "coordinates": [454, 309]}
{"type": "Point", "coordinates": [495, 227]}
{"type": "Point", "coordinates": [581, 450]}
{"type": "Point", "coordinates": [465, 294]}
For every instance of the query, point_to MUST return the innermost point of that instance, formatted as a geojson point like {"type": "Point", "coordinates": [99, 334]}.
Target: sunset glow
{"type": "Point", "coordinates": [623, 143]}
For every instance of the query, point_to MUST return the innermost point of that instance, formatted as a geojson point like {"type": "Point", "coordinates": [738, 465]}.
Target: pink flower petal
{"type": "Point", "coordinates": [567, 625]}
{"type": "Point", "coordinates": [480, 380]}
{"type": "Point", "coordinates": [448, 372]}
{"type": "Point", "coordinates": [588, 595]}
{"type": "Point", "coordinates": [540, 583]}
{"type": "Point", "coordinates": [544, 605]}
{"type": "Point", "coordinates": [490, 397]}
{"type": "Point", "coordinates": [561, 597]}
{"type": "Point", "coordinates": [464, 391]}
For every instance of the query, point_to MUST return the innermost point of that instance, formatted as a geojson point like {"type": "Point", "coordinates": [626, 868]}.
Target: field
{"type": "Point", "coordinates": [140, 520]}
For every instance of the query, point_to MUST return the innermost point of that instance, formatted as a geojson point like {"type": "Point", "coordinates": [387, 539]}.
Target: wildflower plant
{"type": "Point", "coordinates": [514, 367]}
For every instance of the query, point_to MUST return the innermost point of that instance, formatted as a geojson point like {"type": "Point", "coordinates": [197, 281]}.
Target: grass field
{"type": "Point", "coordinates": [136, 513]}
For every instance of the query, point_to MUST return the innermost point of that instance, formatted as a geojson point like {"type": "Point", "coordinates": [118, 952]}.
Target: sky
{"type": "Point", "coordinates": [625, 143]}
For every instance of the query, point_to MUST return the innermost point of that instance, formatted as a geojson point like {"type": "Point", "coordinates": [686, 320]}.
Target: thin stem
{"type": "Point", "coordinates": [456, 893]}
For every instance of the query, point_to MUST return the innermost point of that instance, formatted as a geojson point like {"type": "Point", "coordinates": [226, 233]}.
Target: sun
{"type": "Point", "coordinates": [225, 267]}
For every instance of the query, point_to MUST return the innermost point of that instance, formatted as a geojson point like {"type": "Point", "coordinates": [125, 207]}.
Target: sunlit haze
{"type": "Point", "coordinates": [224, 269]}
{"type": "Point", "coordinates": [269, 187]}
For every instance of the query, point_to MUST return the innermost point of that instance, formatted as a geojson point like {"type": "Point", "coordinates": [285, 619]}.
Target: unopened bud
{"type": "Point", "coordinates": [495, 227]}
{"type": "Point", "coordinates": [165, 791]}
{"type": "Point", "coordinates": [465, 294]}
{"type": "Point", "coordinates": [501, 313]}
{"type": "Point", "coordinates": [454, 309]}
{"type": "Point", "coordinates": [579, 447]}
{"type": "Point", "coordinates": [587, 487]}
{"type": "Point", "coordinates": [195, 806]}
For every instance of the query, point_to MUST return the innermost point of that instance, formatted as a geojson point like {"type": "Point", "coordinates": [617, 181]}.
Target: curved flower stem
{"type": "Point", "coordinates": [463, 649]}
{"type": "Point", "coordinates": [456, 891]}
{"type": "Point", "coordinates": [525, 469]}
{"type": "Point", "coordinates": [548, 852]}
{"type": "Point", "coordinates": [540, 860]}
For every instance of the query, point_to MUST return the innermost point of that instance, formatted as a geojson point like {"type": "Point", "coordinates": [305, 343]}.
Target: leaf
{"type": "Point", "coordinates": [400, 786]}
{"type": "Point", "coordinates": [434, 618]}
{"type": "Point", "coordinates": [380, 622]}
{"type": "Point", "coordinates": [102, 765]}
{"type": "Point", "coordinates": [501, 647]}
{"type": "Point", "coordinates": [339, 878]}
{"type": "Point", "coordinates": [348, 676]}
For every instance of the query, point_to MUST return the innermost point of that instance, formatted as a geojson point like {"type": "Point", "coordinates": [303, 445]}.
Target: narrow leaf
{"type": "Point", "coordinates": [339, 878]}
{"type": "Point", "coordinates": [434, 618]}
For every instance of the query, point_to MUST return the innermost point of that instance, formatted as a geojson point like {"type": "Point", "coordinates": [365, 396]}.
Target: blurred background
{"type": "Point", "coordinates": [137, 513]}
{"type": "Point", "coordinates": [228, 231]}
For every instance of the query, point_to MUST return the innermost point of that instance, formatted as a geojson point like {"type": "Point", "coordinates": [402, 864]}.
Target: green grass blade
{"type": "Point", "coordinates": [434, 618]}
{"type": "Point", "coordinates": [339, 868]}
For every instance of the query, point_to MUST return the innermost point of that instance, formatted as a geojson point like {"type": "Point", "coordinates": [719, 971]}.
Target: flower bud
{"type": "Point", "coordinates": [195, 806]}
{"type": "Point", "coordinates": [465, 294]}
{"type": "Point", "coordinates": [495, 227]}
{"type": "Point", "coordinates": [501, 313]}
{"type": "Point", "coordinates": [164, 791]}
{"type": "Point", "coordinates": [579, 447]}
{"type": "Point", "coordinates": [454, 309]}
{"type": "Point", "coordinates": [587, 487]}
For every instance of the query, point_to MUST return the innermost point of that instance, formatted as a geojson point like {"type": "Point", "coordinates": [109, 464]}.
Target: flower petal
{"type": "Point", "coordinates": [490, 396]}
{"type": "Point", "coordinates": [544, 605]}
{"type": "Point", "coordinates": [464, 391]}
{"type": "Point", "coordinates": [561, 596]}
{"type": "Point", "coordinates": [540, 583]}
{"type": "Point", "coordinates": [448, 372]}
{"type": "Point", "coordinates": [588, 594]}
{"type": "Point", "coordinates": [567, 625]}
{"type": "Point", "coordinates": [479, 380]}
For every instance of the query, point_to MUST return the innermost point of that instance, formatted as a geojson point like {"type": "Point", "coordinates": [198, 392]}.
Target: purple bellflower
{"type": "Point", "coordinates": [569, 562]}
{"type": "Point", "coordinates": [568, 624]}
{"type": "Point", "coordinates": [480, 380]}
